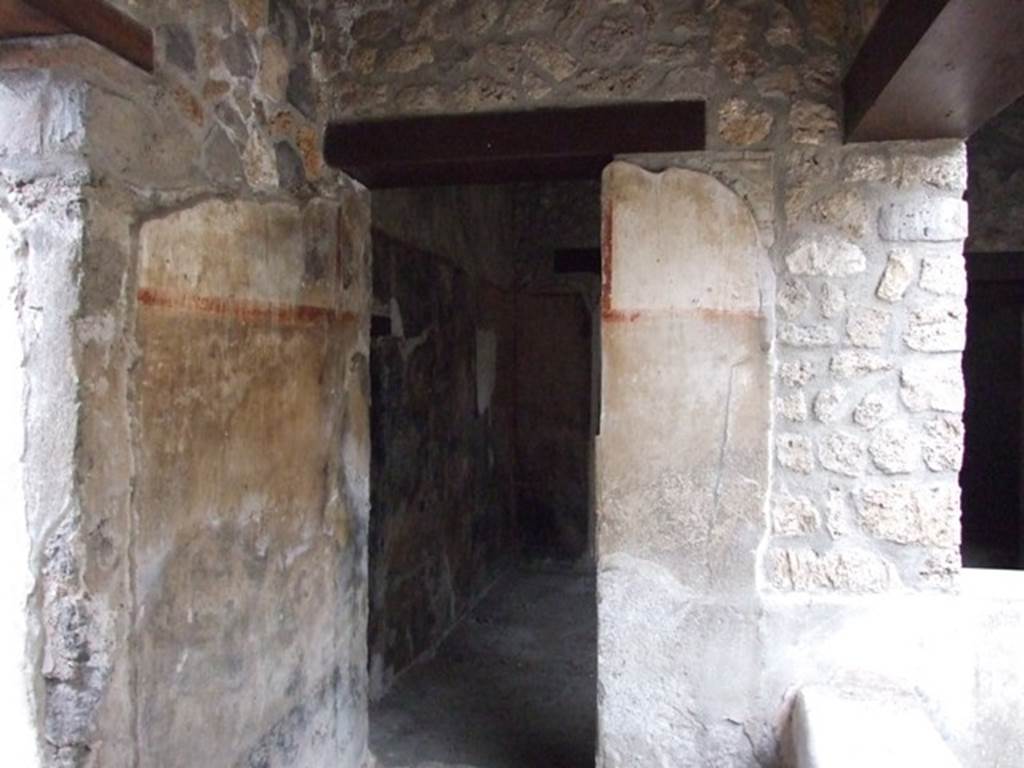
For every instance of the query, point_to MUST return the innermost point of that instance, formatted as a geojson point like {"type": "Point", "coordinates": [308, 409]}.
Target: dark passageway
{"type": "Point", "coordinates": [482, 628]}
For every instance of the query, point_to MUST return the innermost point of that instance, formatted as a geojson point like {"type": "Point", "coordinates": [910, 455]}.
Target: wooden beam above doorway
{"type": "Point", "coordinates": [498, 147]}
{"type": "Point", "coordinates": [933, 69]}
{"type": "Point", "coordinates": [94, 19]}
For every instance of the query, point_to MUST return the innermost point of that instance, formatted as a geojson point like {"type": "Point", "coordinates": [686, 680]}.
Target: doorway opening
{"type": "Point", "coordinates": [485, 385]}
{"type": "Point", "coordinates": [992, 478]}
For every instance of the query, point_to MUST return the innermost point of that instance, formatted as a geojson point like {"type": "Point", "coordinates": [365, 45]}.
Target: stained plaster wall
{"type": "Point", "coordinates": [846, 495]}
{"type": "Point", "coordinates": [443, 522]}
{"type": "Point", "coordinates": [188, 315]}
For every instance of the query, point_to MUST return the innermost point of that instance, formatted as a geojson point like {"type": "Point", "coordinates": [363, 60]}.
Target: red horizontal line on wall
{"type": "Point", "coordinates": [244, 310]}
{"type": "Point", "coordinates": [612, 315]}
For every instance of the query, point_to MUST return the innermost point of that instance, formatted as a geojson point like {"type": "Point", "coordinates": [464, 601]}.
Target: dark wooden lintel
{"type": "Point", "coordinates": [94, 19]}
{"type": "Point", "coordinates": [497, 147]}
{"type": "Point", "coordinates": [935, 69]}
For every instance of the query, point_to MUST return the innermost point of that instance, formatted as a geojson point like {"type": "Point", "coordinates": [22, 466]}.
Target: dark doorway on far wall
{"type": "Point", "coordinates": [993, 520]}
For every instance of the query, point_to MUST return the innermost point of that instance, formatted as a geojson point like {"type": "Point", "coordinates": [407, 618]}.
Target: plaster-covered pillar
{"type": "Point", "coordinates": [683, 455]}
{"type": "Point", "coordinates": [186, 368]}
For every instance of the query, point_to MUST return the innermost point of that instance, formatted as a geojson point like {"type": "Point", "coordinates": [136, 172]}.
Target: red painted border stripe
{"type": "Point", "coordinates": [243, 310]}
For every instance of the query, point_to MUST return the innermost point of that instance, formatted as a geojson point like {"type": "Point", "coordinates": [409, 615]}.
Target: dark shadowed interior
{"type": "Point", "coordinates": [484, 374]}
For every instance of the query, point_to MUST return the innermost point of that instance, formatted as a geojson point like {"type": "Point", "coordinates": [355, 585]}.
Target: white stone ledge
{"type": "Point", "coordinates": [833, 729]}
{"type": "Point", "coordinates": [992, 584]}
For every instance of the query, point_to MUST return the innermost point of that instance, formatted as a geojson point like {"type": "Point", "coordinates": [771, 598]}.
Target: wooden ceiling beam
{"type": "Point", "coordinates": [933, 69]}
{"type": "Point", "coordinates": [498, 147]}
{"type": "Point", "coordinates": [94, 19]}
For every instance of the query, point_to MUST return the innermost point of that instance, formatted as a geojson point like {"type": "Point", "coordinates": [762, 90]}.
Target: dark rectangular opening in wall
{"type": "Point", "coordinates": [993, 521]}
{"type": "Point", "coordinates": [484, 369]}
{"type": "Point", "coordinates": [582, 260]}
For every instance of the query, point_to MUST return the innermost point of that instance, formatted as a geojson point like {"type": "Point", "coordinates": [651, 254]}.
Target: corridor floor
{"type": "Point", "coordinates": [514, 686]}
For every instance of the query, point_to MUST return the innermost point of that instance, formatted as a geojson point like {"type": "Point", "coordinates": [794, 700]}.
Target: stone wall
{"type": "Point", "coordinates": [834, 221]}
{"type": "Point", "coordinates": [849, 493]}
{"type": "Point", "coordinates": [443, 359]}
{"type": "Point", "coordinates": [190, 292]}
{"type": "Point", "coordinates": [871, 326]}
{"type": "Point", "coordinates": [767, 68]}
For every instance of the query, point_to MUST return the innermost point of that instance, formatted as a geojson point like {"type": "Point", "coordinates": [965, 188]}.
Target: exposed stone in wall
{"type": "Point", "coordinates": [769, 69]}
{"type": "Point", "coordinates": [234, 91]}
{"type": "Point", "coordinates": [889, 353]}
{"type": "Point", "coordinates": [443, 497]}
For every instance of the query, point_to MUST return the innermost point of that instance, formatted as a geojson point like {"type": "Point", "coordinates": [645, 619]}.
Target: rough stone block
{"type": "Point", "coordinates": [846, 211]}
{"type": "Point", "coordinates": [933, 384]}
{"type": "Point", "coordinates": [795, 452]}
{"type": "Point", "coordinates": [741, 123]}
{"type": "Point", "coordinates": [937, 329]}
{"type": "Point", "coordinates": [797, 373]}
{"type": "Point", "coordinates": [835, 513]}
{"type": "Point", "coordinates": [863, 167]}
{"type": "Point", "coordinates": [849, 570]}
{"type": "Point", "coordinates": [793, 298]}
{"type": "Point", "coordinates": [833, 301]}
{"type": "Point", "coordinates": [895, 448]}
{"type": "Point", "coordinates": [944, 276]}
{"type": "Point", "coordinates": [40, 116]}
{"type": "Point", "coordinates": [826, 256]}
{"type": "Point", "coordinates": [898, 275]}
{"type": "Point", "coordinates": [908, 514]}
{"type": "Point", "coordinates": [943, 445]}
{"type": "Point", "coordinates": [939, 508]}
{"type": "Point", "coordinates": [924, 220]}
{"type": "Point", "coordinates": [812, 123]}
{"type": "Point", "coordinates": [808, 335]}
{"type": "Point", "coordinates": [793, 406]}
{"type": "Point", "coordinates": [872, 410]}
{"type": "Point", "coordinates": [853, 363]}
{"type": "Point", "coordinates": [794, 516]}
{"type": "Point", "coordinates": [890, 513]}
{"type": "Point", "coordinates": [843, 453]}
{"type": "Point", "coordinates": [946, 170]}
{"type": "Point", "coordinates": [828, 405]}
{"type": "Point", "coordinates": [867, 326]}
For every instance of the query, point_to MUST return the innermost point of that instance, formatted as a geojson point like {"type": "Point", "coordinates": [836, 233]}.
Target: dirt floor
{"type": "Point", "coordinates": [514, 686]}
